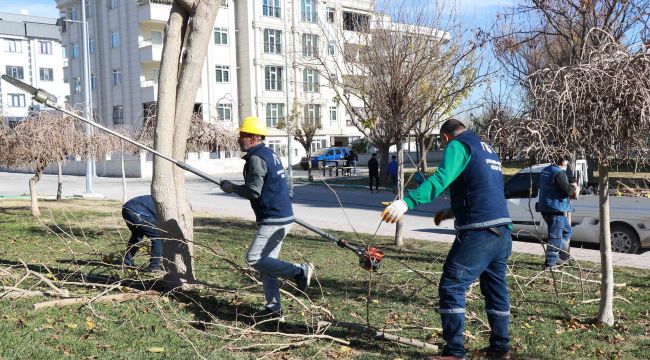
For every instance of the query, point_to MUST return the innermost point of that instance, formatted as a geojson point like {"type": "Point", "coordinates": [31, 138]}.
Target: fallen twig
{"type": "Point", "coordinates": [106, 298]}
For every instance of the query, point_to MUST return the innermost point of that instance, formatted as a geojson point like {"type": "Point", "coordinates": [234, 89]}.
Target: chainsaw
{"type": "Point", "coordinates": [369, 257]}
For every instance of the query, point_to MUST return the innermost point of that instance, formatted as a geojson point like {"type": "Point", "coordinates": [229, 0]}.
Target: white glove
{"type": "Point", "coordinates": [394, 212]}
{"type": "Point", "coordinates": [227, 186]}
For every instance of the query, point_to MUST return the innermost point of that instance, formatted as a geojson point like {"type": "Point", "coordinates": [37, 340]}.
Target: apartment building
{"type": "Point", "coordinates": [278, 42]}
{"type": "Point", "coordinates": [31, 52]}
{"type": "Point", "coordinates": [125, 41]}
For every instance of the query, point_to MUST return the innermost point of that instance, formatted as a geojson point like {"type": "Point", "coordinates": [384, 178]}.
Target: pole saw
{"type": "Point", "coordinates": [369, 257]}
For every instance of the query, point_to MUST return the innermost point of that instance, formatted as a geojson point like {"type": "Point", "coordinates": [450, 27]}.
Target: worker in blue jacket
{"type": "Point", "coordinates": [139, 214]}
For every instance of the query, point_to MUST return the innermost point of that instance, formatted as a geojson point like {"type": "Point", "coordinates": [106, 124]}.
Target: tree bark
{"type": "Point", "coordinates": [423, 153]}
{"type": "Point", "coordinates": [59, 187]}
{"type": "Point", "coordinates": [178, 86]}
{"type": "Point", "coordinates": [606, 311]}
{"type": "Point", "coordinates": [32, 192]}
{"type": "Point", "coordinates": [383, 162]}
{"type": "Point", "coordinates": [399, 226]}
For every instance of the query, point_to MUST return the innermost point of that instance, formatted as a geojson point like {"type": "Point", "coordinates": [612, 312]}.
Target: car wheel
{"type": "Point", "coordinates": [624, 239]}
{"type": "Point", "coordinates": [321, 164]}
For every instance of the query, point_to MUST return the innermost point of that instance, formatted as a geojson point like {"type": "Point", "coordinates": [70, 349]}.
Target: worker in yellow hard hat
{"type": "Point", "coordinates": [265, 185]}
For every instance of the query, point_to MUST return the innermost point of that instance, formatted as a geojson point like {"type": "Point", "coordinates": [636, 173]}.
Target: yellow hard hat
{"type": "Point", "coordinates": [253, 125]}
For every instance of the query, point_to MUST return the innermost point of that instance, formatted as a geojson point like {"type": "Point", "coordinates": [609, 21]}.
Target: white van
{"type": "Point", "coordinates": [629, 216]}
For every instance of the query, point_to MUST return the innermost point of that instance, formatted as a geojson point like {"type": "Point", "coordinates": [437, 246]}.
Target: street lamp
{"type": "Point", "coordinates": [88, 99]}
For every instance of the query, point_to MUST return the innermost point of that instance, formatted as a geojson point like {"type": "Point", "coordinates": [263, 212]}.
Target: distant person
{"type": "Point", "coordinates": [354, 160]}
{"type": "Point", "coordinates": [139, 214]}
{"type": "Point", "coordinates": [392, 172]}
{"type": "Point", "coordinates": [555, 189]}
{"type": "Point", "coordinates": [373, 171]}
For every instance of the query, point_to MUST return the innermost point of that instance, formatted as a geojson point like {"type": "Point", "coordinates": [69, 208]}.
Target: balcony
{"type": "Point", "coordinates": [149, 90]}
{"type": "Point", "coordinates": [150, 52]}
{"type": "Point", "coordinates": [156, 11]}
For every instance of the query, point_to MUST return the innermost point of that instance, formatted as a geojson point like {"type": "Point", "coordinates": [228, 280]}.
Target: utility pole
{"type": "Point", "coordinates": [88, 97]}
{"type": "Point", "coordinates": [286, 66]}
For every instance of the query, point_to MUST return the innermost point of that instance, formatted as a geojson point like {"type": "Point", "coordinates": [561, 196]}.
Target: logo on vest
{"type": "Point", "coordinates": [494, 164]}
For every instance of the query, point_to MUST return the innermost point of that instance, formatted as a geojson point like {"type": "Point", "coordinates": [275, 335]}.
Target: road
{"type": "Point", "coordinates": [316, 204]}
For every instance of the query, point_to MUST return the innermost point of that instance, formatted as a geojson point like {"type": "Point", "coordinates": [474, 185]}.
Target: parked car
{"type": "Point", "coordinates": [320, 157]}
{"type": "Point", "coordinates": [629, 216]}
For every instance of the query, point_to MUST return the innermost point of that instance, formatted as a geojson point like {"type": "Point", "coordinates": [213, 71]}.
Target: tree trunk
{"type": "Point", "coordinates": [423, 146]}
{"type": "Point", "coordinates": [59, 187]}
{"type": "Point", "coordinates": [32, 192]}
{"type": "Point", "coordinates": [383, 163]}
{"type": "Point", "coordinates": [310, 178]}
{"type": "Point", "coordinates": [178, 86]}
{"type": "Point", "coordinates": [606, 311]}
{"type": "Point", "coordinates": [124, 194]}
{"type": "Point", "coordinates": [399, 226]}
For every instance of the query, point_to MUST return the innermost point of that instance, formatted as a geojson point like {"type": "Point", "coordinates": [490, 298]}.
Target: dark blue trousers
{"type": "Point", "coordinates": [476, 254]}
{"type": "Point", "coordinates": [141, 226]}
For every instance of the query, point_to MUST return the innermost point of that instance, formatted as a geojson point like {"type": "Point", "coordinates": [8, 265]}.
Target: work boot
{"type": "Point", "coordinates": [304, 279]}
{"type": "Point", "coordinates": [489, 353]}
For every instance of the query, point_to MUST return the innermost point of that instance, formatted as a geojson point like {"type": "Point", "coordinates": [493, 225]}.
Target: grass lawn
{"type": "Point", "coordinates": [78, 237]}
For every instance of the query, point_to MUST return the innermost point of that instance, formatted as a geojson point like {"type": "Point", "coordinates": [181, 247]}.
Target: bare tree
{"type": "Point", "coordinates": [304, 130]}
{"type": "Point", "coordinates": [600, 106]}
{"type": "Point", "coordinates": [393, 72]}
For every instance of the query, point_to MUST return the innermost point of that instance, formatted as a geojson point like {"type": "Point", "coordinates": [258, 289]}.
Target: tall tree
{"type": "Point", "coordinates": [387, 71]}
{"type": "Point", "coordinates": [187, 35]}
{"type": "Point", "coordinates": [303, 130]}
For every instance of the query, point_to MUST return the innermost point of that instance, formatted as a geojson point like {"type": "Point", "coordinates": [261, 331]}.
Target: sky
{"type": "Point", "coordinates": [473, 14]}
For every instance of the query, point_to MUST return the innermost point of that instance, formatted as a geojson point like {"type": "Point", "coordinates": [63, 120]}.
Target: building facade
{"type": "Point", "coordinates": [281, 46]}
{"type": "Point", "coordinates": [31, 52]}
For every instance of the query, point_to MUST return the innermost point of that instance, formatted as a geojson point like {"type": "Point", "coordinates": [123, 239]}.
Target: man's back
{"type": "Point", "coordinates": [373, 166]}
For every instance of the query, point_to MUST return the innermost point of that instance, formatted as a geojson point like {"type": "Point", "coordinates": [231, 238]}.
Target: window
{"type": "Point", "coordinates": [310, 80]}
{"type": "Point", "coordinates": [334, 115]}
{"type": "Point", "coordinates": [273, 78]}
{"type": "Point", "coordinates": [312, 114]}
{"type": "Point", "coordinates": [115, 40]}
{"type": "Point", "coordinates": [15, 71]}
{"type": "Point", "coordinates": [224, 112]}
{"type": "Point", "coordinates": [519, 186]}
{"type": "Point", "coordinates": [91, 46]}
{"type": "Point", "coordinates": [64, 52]}
{"type": "Point", "coordinates": [274, 113]}
{"type": "Point", "coordinates": [73, 14]}
{"type": "Point", "coordinates": [76, 85]}
{"type": "Point", "coordinates": [93, 81]}
{"type": "Point", "coordinates": [272, 41]}
{"type": "Point", "coordinates": [222, 73]}
{"type": "Point", "coordinates": [117, 77]}
{"type": "Point", "coordinates": [318, 144]}
{"type": "Point", "coordinates": [74, 50]}
{"type": "Point", "coordinates": [309, 45]}
{"type": "Point", "coordinates": [220, 36]}
{"type": "Point", "coordinates": [89, 8]}
{"type": "Point", "coordinates": [330, 15]}
{"type": "Point", "coordinates": [118, 114]}
{"type": "Point", "coordinates": [112, 4]}
{"type": "Point", "coordinates": [156, 37]}
{"type": "Point", "coordinates": [308, 11]}
{"type": "Point", "coordinates": [46, 74]}
{"type": "Point", "coordinates": [355, 22]}
{"type": "Point", "coordinates": [271, 8]}
{"type": "Point", "coordinates": [16, 100]}
{"type": "Point", "coordinates": [45, 47]}
{"type": "Point", "coordinates": [224, 4]}
{"type": "Point", "coordinates": [12, 45]}
{"type": "Point", "coordinates": [277, 146]}
{"type": "Point", "coordinates": [331, 48]}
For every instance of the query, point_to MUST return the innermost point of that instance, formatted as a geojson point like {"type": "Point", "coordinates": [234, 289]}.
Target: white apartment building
{"type": "Point", "coordinates": [31, 52]}
{"type": "Point", "coordinates": [277, 42]}
{"type": "Point", "coordinates": [125, 41]}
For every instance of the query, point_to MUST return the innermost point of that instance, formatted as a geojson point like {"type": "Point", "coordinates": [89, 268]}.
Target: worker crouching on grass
{"type": "Point", "coordinates": [266, 187]}
{"type": "Point", "coordinates": [472, 171]}
{"type": "Point", "coordinates": [139, 214]}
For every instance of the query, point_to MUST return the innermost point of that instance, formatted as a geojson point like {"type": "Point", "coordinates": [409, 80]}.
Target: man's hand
{"type": "Point", "coordinates": [227, 186]}
{"type": "Point", "coordinates": [443, 215]}
{"type": "Point", "coordinates": [574, 194]}
{"type": "Point", "coordinates": [394, 212]}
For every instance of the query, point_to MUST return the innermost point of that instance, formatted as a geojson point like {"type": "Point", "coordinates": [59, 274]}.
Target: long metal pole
{"type": "Point", "coordinates": [287, 112]}
{"type": "Point", "coordinates": [88, 97]}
